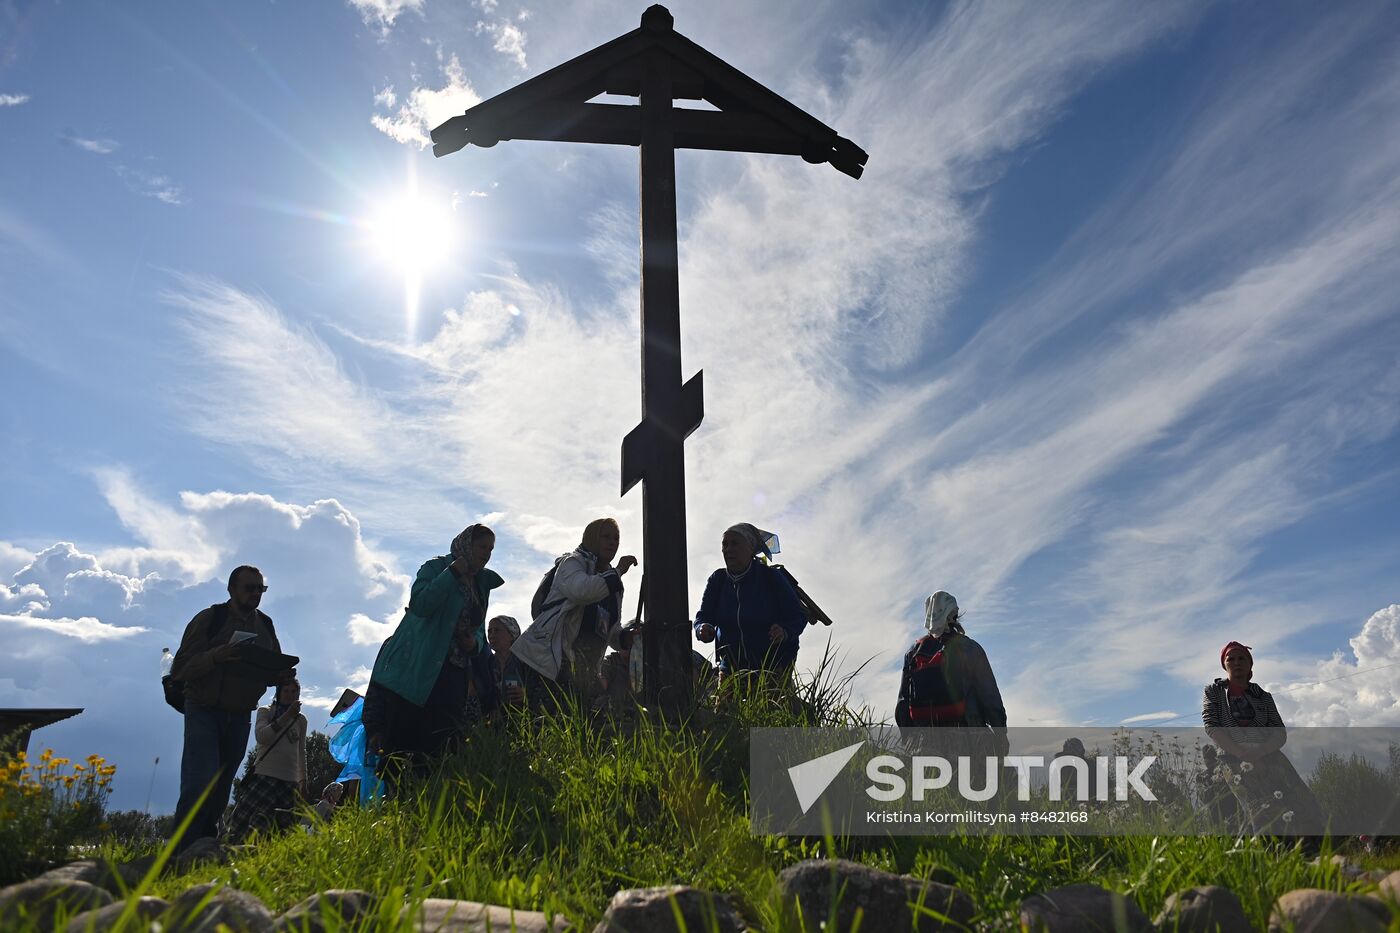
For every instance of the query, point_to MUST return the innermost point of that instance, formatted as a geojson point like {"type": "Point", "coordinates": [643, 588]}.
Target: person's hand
{"type": "Point", "coordinates": [776, 634]}
{"type": "Point", "coordinates": [626, 563]}
{"type": "Point", "coordinates": [291, 712]}
{"type": "Point", "coordinates": [705, 632]}
{"type": "Point", "coordinates": [515, 694]}
{"type": "Point", "coordinates": [460, 567]}
{"type": "Point", "coordinates": [226, 652]}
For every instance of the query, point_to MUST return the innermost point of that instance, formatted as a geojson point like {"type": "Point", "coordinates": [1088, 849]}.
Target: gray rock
{"type": "Point", "coordinates": [644, 910]}
{"type": "Point", "coordinates": [43, 901]}
{"type": "Point", "coordinates": [880, 898]}
{"type": "Point", "coordinates": [1206, 909]}
{"type": "Point", "coordinates": [100, 921]}
{"type": "Point", "coordinates": [85, 870]}
{"type": "Point", "coordinates": [204, 849]}
{"type": "Point", "coordinates": [1390, 887]}
{"type": "Point", "coordinates": [124, 877]}
{"type": "Point", "coordinates": [237, 910]}
{"type": "Point", "coordinates": [1318, 911]}
{"type": "Point", "coordinates": [439, 915]}
{"type": "Point", "coordinates": [1349, 871]}
{"type": "Point", "coordinates": [929, 898]}
{"type": "Point", "coordinates": [346, 905]}
{"type": "Point", "coordinates": [1080, 908]}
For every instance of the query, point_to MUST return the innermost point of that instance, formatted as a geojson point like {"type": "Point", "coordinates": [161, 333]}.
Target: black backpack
{"type": "Point", "coordinates": [175, 689]}
{"type": "Point", "coordinates": [538, 606]}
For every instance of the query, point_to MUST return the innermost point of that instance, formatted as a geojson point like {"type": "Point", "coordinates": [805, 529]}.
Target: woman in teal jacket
{"type": "Point", "coordinates": [427, 672]}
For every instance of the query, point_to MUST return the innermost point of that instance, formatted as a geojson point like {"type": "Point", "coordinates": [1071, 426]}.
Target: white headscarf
{"type": "Point", "coordinates": [939, 609]}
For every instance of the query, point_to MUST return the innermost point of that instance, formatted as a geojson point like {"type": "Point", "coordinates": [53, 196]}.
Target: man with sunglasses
{"type": "Point", "coordinates": [219, 697]}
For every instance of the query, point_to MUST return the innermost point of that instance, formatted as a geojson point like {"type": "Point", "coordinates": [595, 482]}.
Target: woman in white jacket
{"type": "Point", "coordinates": [580, 618]}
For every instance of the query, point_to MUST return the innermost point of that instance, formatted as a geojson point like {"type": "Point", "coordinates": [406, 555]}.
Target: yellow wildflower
{"type": "Point", "coordinates": [48, 753]}
{"type": "Point", "coordinates": [104, 782]}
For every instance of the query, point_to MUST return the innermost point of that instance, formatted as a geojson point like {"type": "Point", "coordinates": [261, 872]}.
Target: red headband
{"type": "Point", "coordinates": [1234, 644]}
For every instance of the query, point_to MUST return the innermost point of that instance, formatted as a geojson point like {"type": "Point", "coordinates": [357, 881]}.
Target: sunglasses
{"type": "Point", "coordinates": [253, 587]}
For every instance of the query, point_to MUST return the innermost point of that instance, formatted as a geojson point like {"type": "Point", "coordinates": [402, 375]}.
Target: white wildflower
{"type": "Point", "coordinates": [1246, 766]}
{"type": "Point", "coordinates": [1278, 795]}
{"type": "Point", "coordinates": [1288, 816]}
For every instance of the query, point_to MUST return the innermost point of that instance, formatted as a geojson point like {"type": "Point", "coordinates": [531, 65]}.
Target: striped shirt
{"type": "Point", "coordinates": [1246, 715]}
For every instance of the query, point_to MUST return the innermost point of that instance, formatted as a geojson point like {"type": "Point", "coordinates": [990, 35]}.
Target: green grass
{"type": "Point", "coordinates": [558, 814]}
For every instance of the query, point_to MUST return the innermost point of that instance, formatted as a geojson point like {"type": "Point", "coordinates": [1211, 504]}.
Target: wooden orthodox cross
{"type": "Point", "coordinates": [657, 65]}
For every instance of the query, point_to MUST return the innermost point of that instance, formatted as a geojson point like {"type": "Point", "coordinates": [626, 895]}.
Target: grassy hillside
{"type": "Point", "coordinates": [558, 814]}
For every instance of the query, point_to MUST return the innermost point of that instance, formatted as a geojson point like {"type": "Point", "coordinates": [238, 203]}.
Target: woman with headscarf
{"type": "Point", "coordinates": [427, 688]}
{"type": "Point", "coordinates": [501, 635]}
{"type": "Point", "coordinates": [749, 608]}
{"type": "Point", "coordinates": [947, 678]}
{"type": "Point", "coordinates": [579, 619]}
{"type": "Point", "coordinates": [1241, 719]}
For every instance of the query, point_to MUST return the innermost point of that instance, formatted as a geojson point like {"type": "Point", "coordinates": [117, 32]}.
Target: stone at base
{"type": "Point", "coordinates": [1082, 908]}
{"type": "Point", "coordinates": [440, 915]}
{"type": "Point", "coordinates": [1204, 909]}
{"type": "Point", "coordinates": [104, 919]}
{"type": "Point", "coordinates": [653, 910]}
{"type": "Point", "coordinates": [42, 901]}
{"type": "Point", "coordinates": [1320, 911]}
{"type": "Point", "coordinates": [237, 910]}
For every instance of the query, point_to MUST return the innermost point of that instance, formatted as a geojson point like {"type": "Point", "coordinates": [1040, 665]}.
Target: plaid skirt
{"type": "Point", "coordinates": [259, 799]}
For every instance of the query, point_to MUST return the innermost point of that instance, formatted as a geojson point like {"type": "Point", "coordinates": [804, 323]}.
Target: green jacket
{"type": "Point", "coordinates": [411, 658]}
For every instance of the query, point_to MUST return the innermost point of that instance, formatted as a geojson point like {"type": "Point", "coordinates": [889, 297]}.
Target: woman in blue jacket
{"type": "Point", "coordinates": [749, 608]}
{"type": "Point", "coordinates": [428, 679]}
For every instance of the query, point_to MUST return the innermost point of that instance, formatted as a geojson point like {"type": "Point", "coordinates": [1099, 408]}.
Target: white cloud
{"type": "Point", "coordinates": [386, 97]}
{"type": "Point", "coordinates": [509, 39]}
{"type": "Point", "coordinates": [426, 108]}
{"type": "Point", "coordinates": [1152, 717]}
{"type": "Point", "coordinates": [13, 100]}
{"type": "Point", "coordinates": [383, 12]}
{"type": "Point", "coordinates": [1363, 690]}
{"type": "Point", "coordinates": [151, 185]}
{"type": "Point", "coordinates": [97, 146]}
{"type": "Point", "coordinates": [12, 558]}
{"type": "Point", "coordinates": [77, 633]}
{"type": "Point", "coordinates": [85, 629]}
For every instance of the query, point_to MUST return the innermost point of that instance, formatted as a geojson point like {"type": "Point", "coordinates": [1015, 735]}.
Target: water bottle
{"type": "Point", "coordinates": [167, 661]}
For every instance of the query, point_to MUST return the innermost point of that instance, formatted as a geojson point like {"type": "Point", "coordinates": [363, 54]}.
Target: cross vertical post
{"type": "Point", "coordinates": [666, 637]}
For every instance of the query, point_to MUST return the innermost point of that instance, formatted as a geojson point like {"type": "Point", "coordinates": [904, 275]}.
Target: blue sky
{"type": "Point", "coordinates": [1104, 342]}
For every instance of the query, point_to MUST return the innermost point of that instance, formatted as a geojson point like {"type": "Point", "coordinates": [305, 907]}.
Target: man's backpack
{"type": "Point", "coordinates": [175, 689]}
{"type": "Point", "coordinates": [934, 700]}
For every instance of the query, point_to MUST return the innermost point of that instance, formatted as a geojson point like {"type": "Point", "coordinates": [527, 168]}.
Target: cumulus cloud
{"type": "Point", "coordinates": [426, 108]}
{"type": "Point", "coordinates": [78, 633]}
{"type": "Point", "coordinates": [13, 100]}
{"type": "Point", "coordinates": [1360, 690]}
